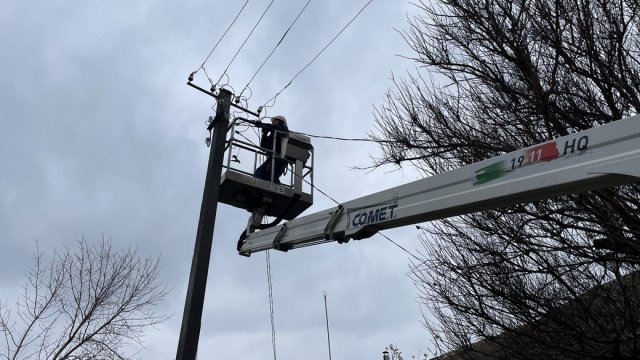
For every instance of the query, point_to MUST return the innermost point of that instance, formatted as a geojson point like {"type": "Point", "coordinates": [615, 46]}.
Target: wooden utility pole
{"type": "Point", "coordinates": [191, 319]}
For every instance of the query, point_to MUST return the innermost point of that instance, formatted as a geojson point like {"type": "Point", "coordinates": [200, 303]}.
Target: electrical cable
{"type": "Point", "coordinates": [317, 55]}
{"type": "Point", "coordinates": [245, 41]}
{"type": "Point", "coordinates": [233, 91]}
{"type": "Point", "coordinates": [400, 246]}
{"type": "Point", "coordinates": [247, 97]}
{"type": "Point", "coordinates": [358, 139]}
{"type": "Point", "coordinates": [322, 192]}
{"type": "Point", "coordinates": [275, 47]}
{"type": "Point", "coordinates": [245, 127]}
{"type": "Point", "coordinates": [207, 75]}
{"type": "Point", "coordinates": [219, 40]}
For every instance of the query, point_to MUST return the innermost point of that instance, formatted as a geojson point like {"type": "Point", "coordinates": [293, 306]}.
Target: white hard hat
{"type": "Point", "coordinates": [279, 117]}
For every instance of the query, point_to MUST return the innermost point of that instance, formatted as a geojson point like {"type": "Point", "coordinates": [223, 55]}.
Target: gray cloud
{"type": "Point", "coordinates": [101, 137]}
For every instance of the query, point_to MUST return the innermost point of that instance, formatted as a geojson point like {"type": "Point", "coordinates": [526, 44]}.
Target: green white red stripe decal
{"type": "Point", "coordinates": [544, 152]}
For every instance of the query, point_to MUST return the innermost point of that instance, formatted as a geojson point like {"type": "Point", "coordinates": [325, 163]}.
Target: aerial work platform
{"type": "Point", "coordinates": [247, 192]}
{"type": "Point", "coordinates": [284, 198]}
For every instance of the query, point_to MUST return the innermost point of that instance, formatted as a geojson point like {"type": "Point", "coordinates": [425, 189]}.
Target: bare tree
{"type": "Point", "coordinates": [502, 75]}
{"type": "Point", "coordinates": [392, 352]}
{"type": "Point", "coordinates": [395, 352]}
{"type": "Point", "coordinates": [92, 302]}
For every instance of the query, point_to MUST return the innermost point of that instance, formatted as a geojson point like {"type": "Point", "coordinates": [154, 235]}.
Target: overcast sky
{"type": "Point", "coordinates": [101, 137]}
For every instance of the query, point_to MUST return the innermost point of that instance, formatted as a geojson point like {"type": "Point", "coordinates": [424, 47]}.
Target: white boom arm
{"type": "Point", "coordinates": [597, 158]}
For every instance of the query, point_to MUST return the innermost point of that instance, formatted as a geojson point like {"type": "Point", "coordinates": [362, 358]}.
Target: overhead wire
{"type": "Point", "coordinates": [219, 40]}
{"type": "Point", "coordinates": [207, 75]}
{"type": "Point", "coordinates": [246, 97]}
{"type": "Point", "coordinates": [400, 246]}
{"type": "Point", "coordinates": [359, 139]}
{"type": "Point", "coordinates": [214, 85]}
{"type": "Point", "coordinates": [317, 55]}
{"type": "Point", "coordinates": [275, 47]}
{"type": "Point", "coordinates": [245, 41]}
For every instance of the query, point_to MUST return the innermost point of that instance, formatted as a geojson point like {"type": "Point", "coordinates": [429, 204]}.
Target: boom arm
{"type": "Point", "coordinates": [597, 158]}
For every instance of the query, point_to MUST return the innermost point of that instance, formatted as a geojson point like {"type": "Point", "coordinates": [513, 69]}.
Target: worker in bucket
{"type": "Point", "coordinates": [270, 133]}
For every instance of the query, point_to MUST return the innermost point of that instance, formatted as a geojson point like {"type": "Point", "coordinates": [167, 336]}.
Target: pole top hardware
{"type": "Point", "coordinates": [221, 90]}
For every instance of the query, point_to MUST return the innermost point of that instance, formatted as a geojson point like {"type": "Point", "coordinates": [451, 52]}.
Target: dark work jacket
{"type": "Point", "coordinates": [274, 132]}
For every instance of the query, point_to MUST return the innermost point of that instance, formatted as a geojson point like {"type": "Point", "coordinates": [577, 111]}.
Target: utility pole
{"type": "Point", "coordinates": [192, 316]}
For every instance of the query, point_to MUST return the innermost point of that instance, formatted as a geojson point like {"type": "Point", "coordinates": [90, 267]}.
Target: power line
{"type": "Point", "coordinates": [245, 41]}
{"type": "Point", "coordinates": [359, 139]}
{"type": "Point", "coordinates": [322, 192]}
{"type": "Point", "coordinates": [318, 54]}
{"type": "Point", "coordinates": [400, 246]}
{"type": "Point", "coordinates": [207, 75]}
{"type": "Point", "coordinates": [362, 139]}
{"type": "Point", "coordinates": [222, 37]}
{"type": "Point", "coordinates": [275, 47]}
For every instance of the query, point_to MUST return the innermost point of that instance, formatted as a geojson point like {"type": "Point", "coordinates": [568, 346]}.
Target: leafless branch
{"type": "Point", "coordinates": [92, 302]}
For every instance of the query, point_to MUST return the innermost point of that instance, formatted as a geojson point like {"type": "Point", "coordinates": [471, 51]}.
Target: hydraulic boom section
{"type": "Point", "coordinates": [600, 157]}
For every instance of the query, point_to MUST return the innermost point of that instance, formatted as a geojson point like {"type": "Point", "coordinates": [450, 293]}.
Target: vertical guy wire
{"type": "Point", "coordinates": [273, 325]}
{"type": "Point", "coordinates": [326, 316]}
